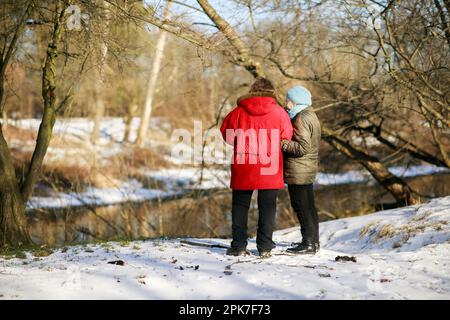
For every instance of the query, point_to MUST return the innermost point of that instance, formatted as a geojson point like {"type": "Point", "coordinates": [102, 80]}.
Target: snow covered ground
{"type": "Point", "coordinates": [111, 129]}
{"type": "Point", "coordinates": [217, 178]}
{"type": "Point", "coordinates": [400, 254]}
{"type": "Point", "coordinates": [71, 140]}
{"type": "Point", "coordinates": [131, 191]}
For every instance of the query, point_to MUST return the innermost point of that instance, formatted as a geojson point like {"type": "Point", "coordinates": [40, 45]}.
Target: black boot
{"type": "Point", "coordinates": [293, 244]}
{"type": "Point", "coordinates": [237, 252]}
{"type": "Point", "coordinates": [305, 247]}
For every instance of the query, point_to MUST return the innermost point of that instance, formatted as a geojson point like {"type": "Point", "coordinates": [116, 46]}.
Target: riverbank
{"type": "Point", "coordinates": [174, 182]}
{"type": "Point", "coordinates": [400, 254]}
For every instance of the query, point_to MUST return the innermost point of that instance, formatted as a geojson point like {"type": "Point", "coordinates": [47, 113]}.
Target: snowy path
{"type": "Point", "coordinates": [401, 254]}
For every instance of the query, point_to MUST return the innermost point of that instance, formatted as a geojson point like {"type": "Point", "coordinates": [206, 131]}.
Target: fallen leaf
{"type": "Point", "coordinates": [345, 258]}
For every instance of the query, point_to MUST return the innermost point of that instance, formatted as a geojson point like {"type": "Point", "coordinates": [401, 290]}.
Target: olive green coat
{"type": "Point", "coordinates": [301, 154]}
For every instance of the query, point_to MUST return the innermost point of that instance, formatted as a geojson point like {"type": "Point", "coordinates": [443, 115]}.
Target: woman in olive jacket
{"type": "Point", "coordinates": [301, 160]}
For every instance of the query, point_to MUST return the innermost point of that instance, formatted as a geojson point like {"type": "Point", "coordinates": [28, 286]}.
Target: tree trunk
{"type": "Point", "coordinates": [99, 112]}
{"type": "Point", "coordinates": [147, 111]}
{"type": "Point", "coordinates": [49, 97]}
{"type": "Point", "coordinates": [396, 186]}
{"type": "Point", "coordinates": [98, 116]}
{"type": "Point", "coordinates": [13, 224]}
{"type": "Point", "coordinates": [4, 118]}
{"type": "Point", "coordinates": [129, 121]}
{"type": "Point", "coordinates": [242, 57]}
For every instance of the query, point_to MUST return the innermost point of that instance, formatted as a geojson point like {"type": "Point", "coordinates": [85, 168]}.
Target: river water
{"type": "Point", "coordinates": [207, 213]}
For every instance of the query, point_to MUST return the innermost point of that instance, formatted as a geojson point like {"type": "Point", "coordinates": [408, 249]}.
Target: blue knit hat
{"type": "Point", "coordinates": [299, 95]}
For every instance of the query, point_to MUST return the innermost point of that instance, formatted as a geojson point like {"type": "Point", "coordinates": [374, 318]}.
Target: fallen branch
{"type": "Point", "coordinates": [207, 245]}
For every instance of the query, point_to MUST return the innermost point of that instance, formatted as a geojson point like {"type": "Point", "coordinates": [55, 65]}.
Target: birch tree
{"type": "Point", "coordinates": [99, 107]}
{"type": "Point", "coordinates": [153, 80]}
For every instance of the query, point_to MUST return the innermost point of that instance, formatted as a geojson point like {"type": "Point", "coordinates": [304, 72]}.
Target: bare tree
{"type": "Point", "coordinates": [152, 83]}
{"type": "Point", "coordinates": [12, 211]}
{"type": "Point", "coordinates": [14, 195]}
{"type": "Point", "coordinates": [99, 111]}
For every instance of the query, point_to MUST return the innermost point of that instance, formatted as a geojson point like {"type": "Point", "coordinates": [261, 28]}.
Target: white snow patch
{"type": "Point", "coordinates": [111, 134]}
{"type": "Point", "coordinates": [355, 176]}
{"type": "Point", "coordinates": [195, 178]}
{"type": "Point", "coordinates": [131, 191]}
{"type": "Point", "coordinates": [218, 178]}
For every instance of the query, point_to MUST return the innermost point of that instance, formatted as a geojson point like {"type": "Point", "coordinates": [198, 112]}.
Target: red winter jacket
{"type": "Point", "coordinates": [255, 128]}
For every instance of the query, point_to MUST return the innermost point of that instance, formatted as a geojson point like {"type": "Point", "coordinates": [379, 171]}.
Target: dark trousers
{"type": "Point", "coordinates": [302, 201]}
{"type": "Point", "coordinates": [267, 204]}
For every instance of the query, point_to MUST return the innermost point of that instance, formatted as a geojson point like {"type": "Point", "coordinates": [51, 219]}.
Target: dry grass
{"type": "Point", "coordinates": [126, 165]}
{"type": "Point", "coordinates": [140, 157]}
{"type": "Point", "coordinates": [58, 175]}
{"type": "Point", "coordinates": [65, 176]}
{"type": "Point", "coordinates": [368, 229]}
{"type": "Point", "coordinates": [416, 226]}
{"type": "Point", "coordinates": [62, 141]}
{"type": "Point", "coordinates": [13, 133]}
{"type": "Point", "coordinates": [386, 231]}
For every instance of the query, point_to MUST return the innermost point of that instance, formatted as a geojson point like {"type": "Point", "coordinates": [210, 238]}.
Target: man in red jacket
{"type": "Point", "coordinates": [255, 129]}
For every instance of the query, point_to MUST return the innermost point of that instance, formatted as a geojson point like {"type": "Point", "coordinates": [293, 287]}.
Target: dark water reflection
{"type": "Point", "coordinates": [207, 214]}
